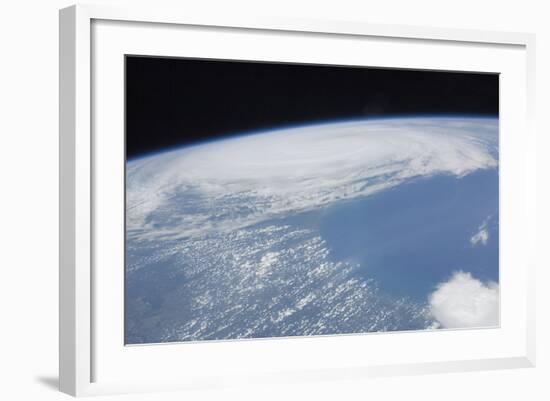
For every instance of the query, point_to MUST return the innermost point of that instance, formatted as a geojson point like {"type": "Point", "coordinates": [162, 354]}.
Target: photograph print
{"type": "Point", "coordinates": [268, 199]}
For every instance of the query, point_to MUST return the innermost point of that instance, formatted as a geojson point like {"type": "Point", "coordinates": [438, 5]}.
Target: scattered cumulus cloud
{"type": "Point", "coordinates": [482, 235]}
{"type": "Point", "coordinates": [464, 301]}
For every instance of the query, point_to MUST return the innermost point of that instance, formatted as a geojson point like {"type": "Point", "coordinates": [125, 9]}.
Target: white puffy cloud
{"type": "Point", "coordinates": [464, 301]}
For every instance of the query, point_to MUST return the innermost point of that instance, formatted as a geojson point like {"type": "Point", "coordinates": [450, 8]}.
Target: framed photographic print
{"type": "Point", "coordinates": [273, 200]}
{"type": "Point", "coordinates": [350, 200]}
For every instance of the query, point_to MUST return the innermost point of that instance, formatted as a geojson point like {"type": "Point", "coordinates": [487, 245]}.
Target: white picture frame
{"type": "Point", "coordinates": [87, 347]}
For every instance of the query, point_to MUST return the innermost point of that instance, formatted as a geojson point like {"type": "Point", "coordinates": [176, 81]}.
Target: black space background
{"type": "Point", "coordinates": [175, 101]}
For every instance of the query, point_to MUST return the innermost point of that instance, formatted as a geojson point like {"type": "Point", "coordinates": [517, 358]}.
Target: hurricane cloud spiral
{"type": "Point", "coordinates": [253, 178]}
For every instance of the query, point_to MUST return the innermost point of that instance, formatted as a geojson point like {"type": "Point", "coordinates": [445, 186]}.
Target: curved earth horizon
{"type": "Point", "coordinates": [348, 227]}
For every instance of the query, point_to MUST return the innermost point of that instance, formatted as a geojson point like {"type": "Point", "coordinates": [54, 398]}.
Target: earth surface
{"type": "Point", "coordinates": [349, 227]}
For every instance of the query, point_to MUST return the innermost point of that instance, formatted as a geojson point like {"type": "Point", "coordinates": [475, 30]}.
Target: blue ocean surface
{"type": "Point", "coordinates": [412, 237]}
